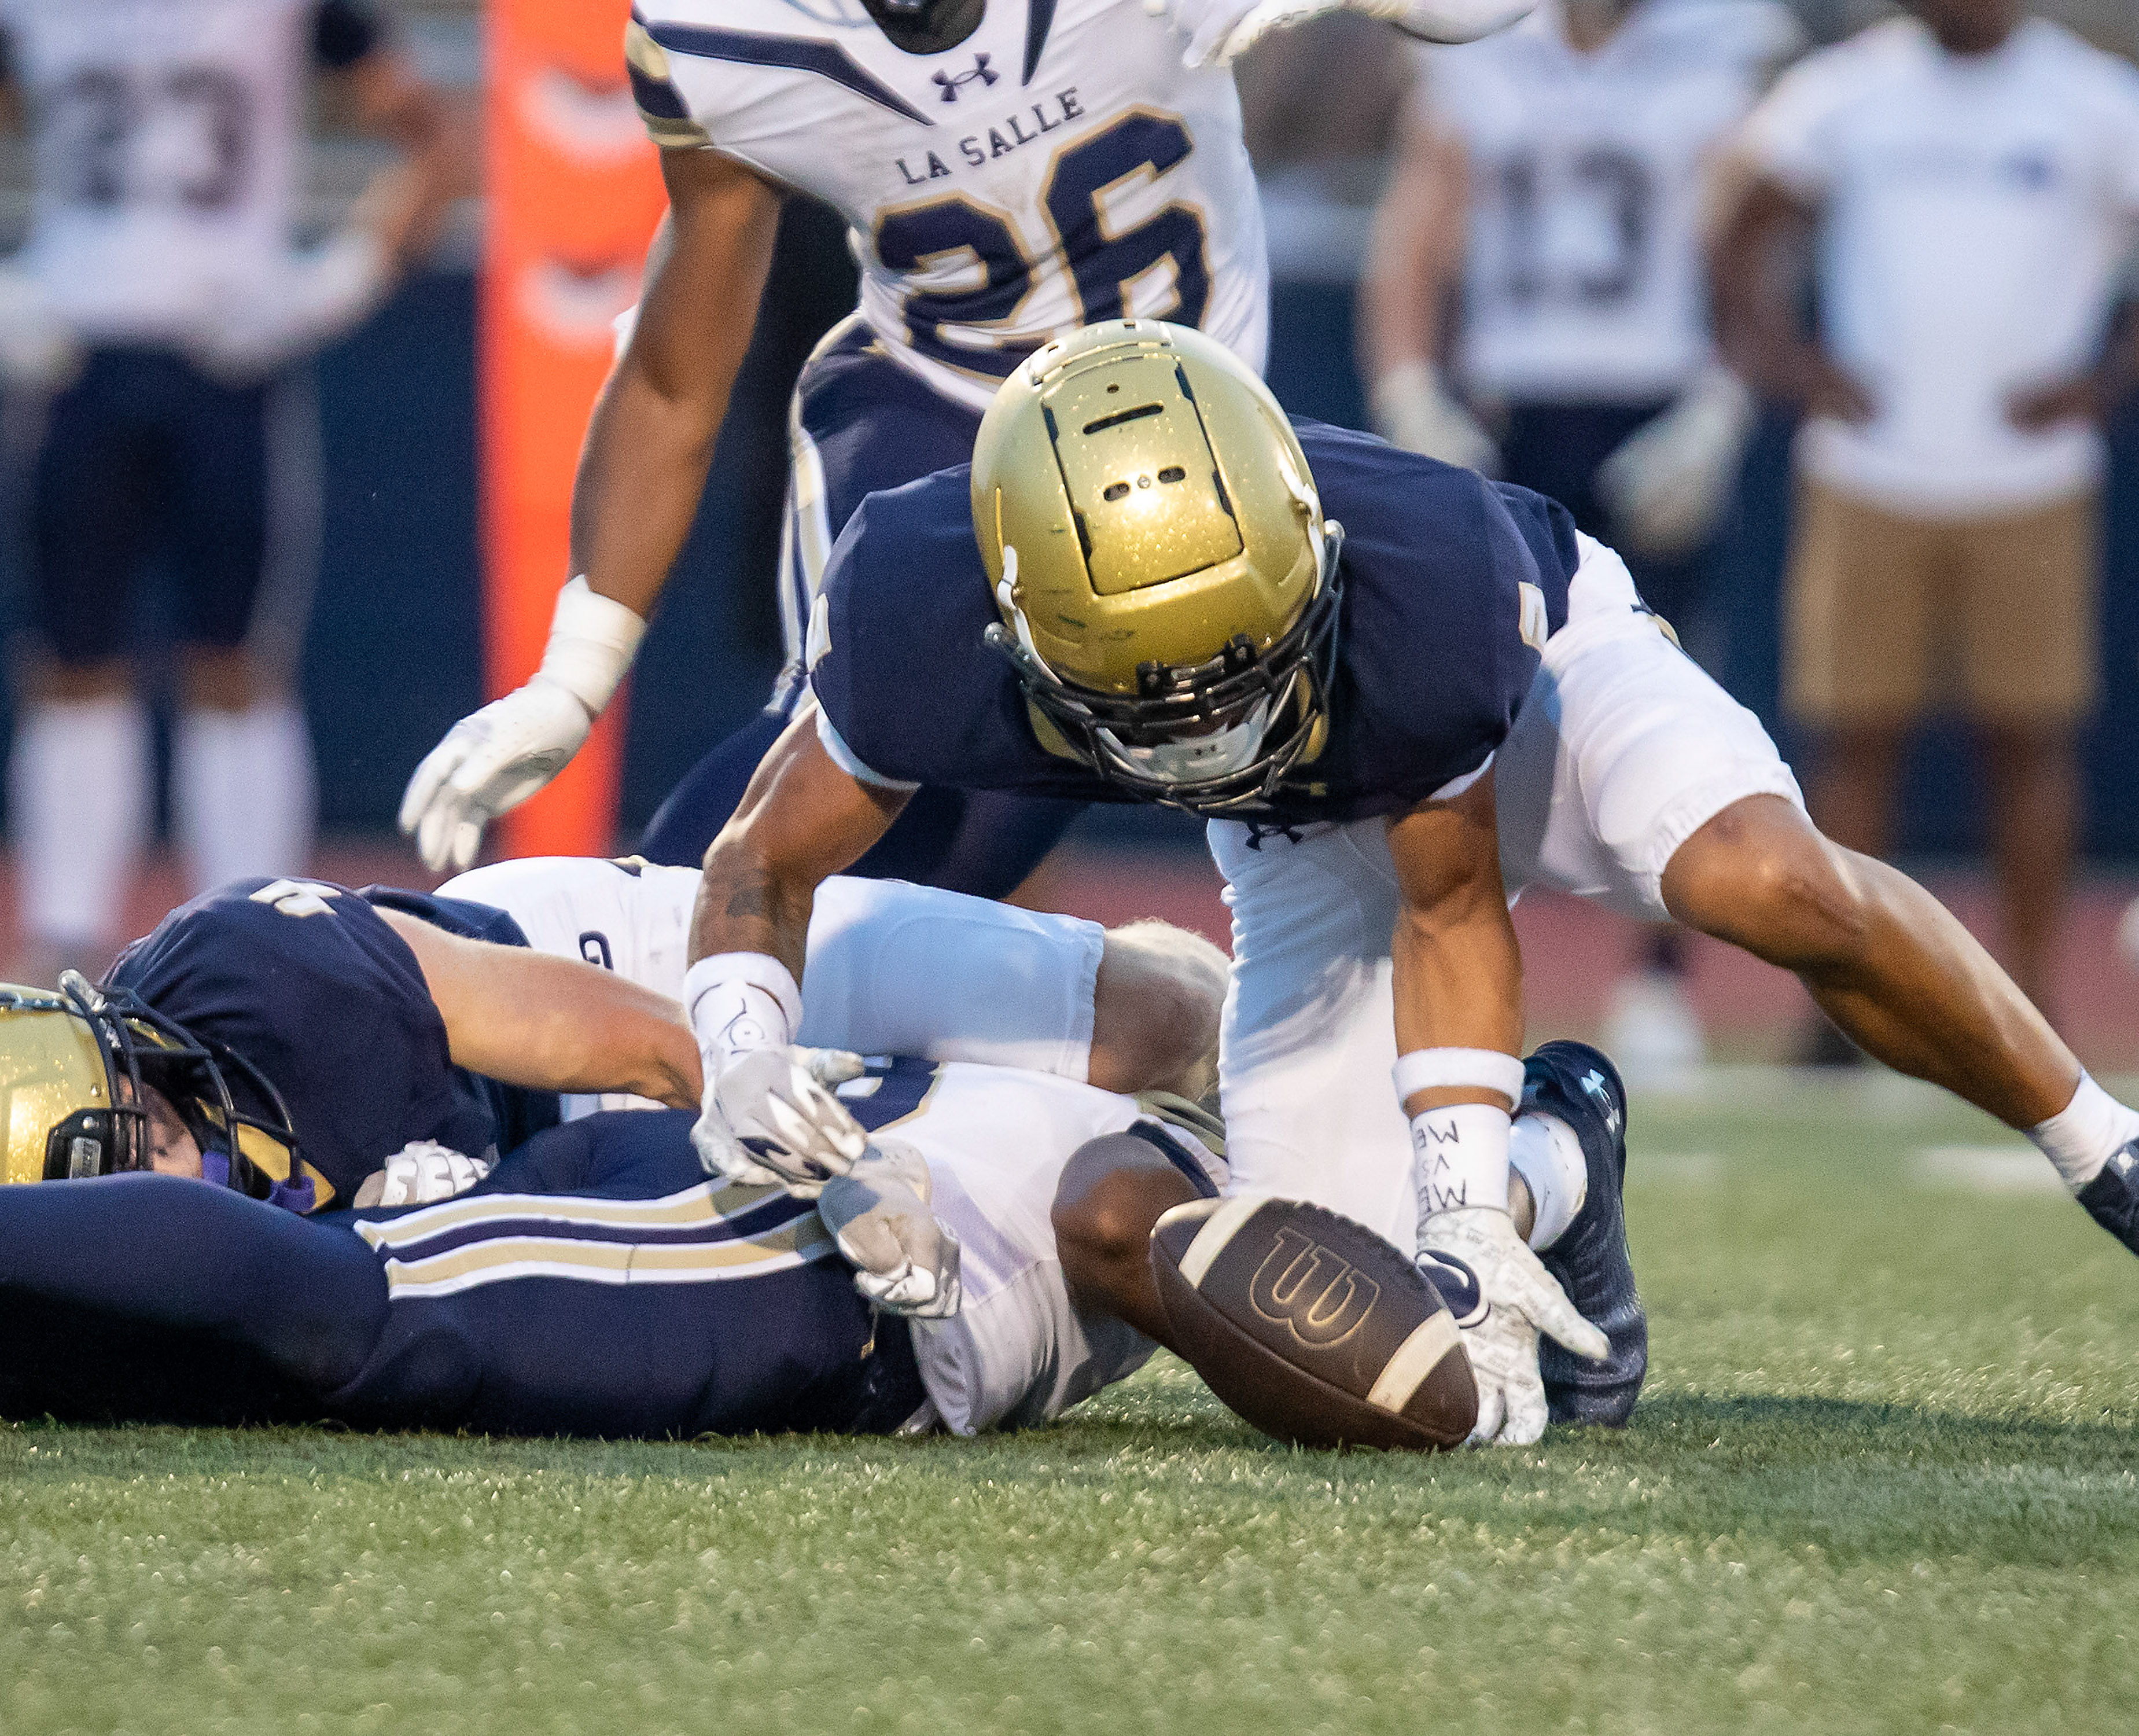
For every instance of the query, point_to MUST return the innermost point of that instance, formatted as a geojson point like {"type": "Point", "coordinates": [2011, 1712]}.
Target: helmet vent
{"type": "Point", "coordinates": [1171, 473]}
{"type": "Point", "coordinates": [1120, 416]}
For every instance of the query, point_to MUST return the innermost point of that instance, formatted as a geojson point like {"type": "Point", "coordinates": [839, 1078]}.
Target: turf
{"type": "Point", "coordinates": [1886, 1478]}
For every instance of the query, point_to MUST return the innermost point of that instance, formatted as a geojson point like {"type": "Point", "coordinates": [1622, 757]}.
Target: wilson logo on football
{"type": "Point", "coordinates": [1321, 1296]}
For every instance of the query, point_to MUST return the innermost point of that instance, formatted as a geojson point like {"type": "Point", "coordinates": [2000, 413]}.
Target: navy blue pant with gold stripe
{"type": "Point", "coordinates": [596, 1284]}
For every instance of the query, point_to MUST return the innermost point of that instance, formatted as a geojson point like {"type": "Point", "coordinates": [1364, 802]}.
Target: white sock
{"type": "Point", "coordinates": [2085, 1133]}
{"type": "Point", "coordinates": [1545, 1152]}
{"type": "Point", "coordinates": [78, 789]}
{"type": "Point", "coordinates": [242, 785]}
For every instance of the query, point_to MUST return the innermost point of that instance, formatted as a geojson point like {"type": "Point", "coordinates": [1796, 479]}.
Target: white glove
{"type": "Point", "coordinates": [491, 762]}
{"type": "Point", "coordinates": [769, 1119]}
{"type": "Point", "coordinates": [1218, 31]}
{"type": "Point", "coordinates": [488, 764]}
{"type": "Point", "coordinates": [1668, 481]}
{"type": "Point", "coordinates": [38, 350]}
{"type": "Point", "coordinates": [904, 1260]}
{"type": "Point", "coordinates": [1516, 1299]}
{"type": "Point", "coordinates": [424, 1170]}
{"type": "Point", "coordinates": [1414, 411]}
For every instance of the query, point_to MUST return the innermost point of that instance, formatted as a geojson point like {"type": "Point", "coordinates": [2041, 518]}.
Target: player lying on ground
{"type": "Point", "coordinates": [598, 1283]}
{"type": "Point", "coordinates": [67, 1062]}
{"type": "Point", "coordinates": [413, 1037]}
{"type": "Point", "coordinates": [1141, 592]}
{"type": "Point", "coordinates": [1006, 171]}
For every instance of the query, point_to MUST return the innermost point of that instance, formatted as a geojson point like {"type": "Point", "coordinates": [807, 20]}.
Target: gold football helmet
{"type": "Point", "coordinates": [75, 1066]}
{"type": "Point", "coordinates": [1168, 585]}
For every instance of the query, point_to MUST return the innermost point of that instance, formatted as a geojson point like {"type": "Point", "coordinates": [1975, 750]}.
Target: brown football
{"type": "Point", "coordinates": [1311, 1326]}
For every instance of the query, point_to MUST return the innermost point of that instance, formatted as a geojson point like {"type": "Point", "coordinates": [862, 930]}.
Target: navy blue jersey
{"type": "Point", "coordinates": [1433, 661]}
{"type": "Point", "coordinates": [304, 979]}
{"type": "Point", "coordinates": [597, 1284]}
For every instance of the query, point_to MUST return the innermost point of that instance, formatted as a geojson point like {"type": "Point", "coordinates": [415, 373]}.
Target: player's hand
{"type": "Point", "coordinates": [1219, 30]}
{"type": "Point", "coordinates": [1474, 1257]}
{"type": "Point", "coordinates": [1414, 409]}
{"type": "Point", "coordinates": [488, 764]}
{"type": "Point", "coordinates": [904, 1260]}
{"type": "Point", "coordinates": [769, 1119]}
{"type": "Point", "coordinates": [38, 350]}
{"type": "Point", "coordinates": [1666, 484]}
{"type": "Point", "coordinates": [421, 1172]}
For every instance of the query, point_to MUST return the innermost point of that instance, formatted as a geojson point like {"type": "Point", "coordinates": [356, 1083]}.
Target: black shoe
{"type": "Point", "coordinates": [2111, 1199]}
{"type": "Point", "coordinates": [1576, 1083]}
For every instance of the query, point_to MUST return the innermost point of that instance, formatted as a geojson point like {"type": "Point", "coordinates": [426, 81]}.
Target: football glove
{"type": "Point", "coordinates": [1668, 481]}
{"type": "Point", "coordinates": [1502, 1297]}
{"type": "Point", "coordinates": [769, 1119]}
{"type": "Point", "coordinates": [904, 1260]}
{"type": "Point", "coordinates": [488, 764]}
{"type": "Point", "coordinates": [1414, 411]}
{"type": "Point", "coordinates": [423, 1170]}
{"type": "Point", "coordinates": [1220, 30]}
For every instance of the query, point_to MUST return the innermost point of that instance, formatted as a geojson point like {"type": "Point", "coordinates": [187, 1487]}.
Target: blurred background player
{"type": "Point", "coordinates": [1541, 230]}
{"type": "Point", "coordinates": [163, 305]}
{"type": "Point", "coordinates": [1969, 178]}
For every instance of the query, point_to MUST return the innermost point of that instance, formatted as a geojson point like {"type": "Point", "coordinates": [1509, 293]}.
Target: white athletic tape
{"type": "Point", "coordinates": [1426, 1070]}
{"type": "Point", "coordinates": [1415, 1358]}
{"type": "Point", "coordinates": [1223, 1224]}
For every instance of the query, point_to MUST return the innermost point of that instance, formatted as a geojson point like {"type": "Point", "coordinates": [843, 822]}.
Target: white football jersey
{"type": "Point", "coordinates": [1583, 279]}
{"type": "Point", "coordinates": [1017, 1353]}
{"type": "Point", "coordinates": [167, 135]}
{"type": "Point", "coordinates": [1977, 215]}
{"type": "Point", "coordinates": [1058, 167]}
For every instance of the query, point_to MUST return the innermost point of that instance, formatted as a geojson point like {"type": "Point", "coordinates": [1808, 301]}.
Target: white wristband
{"type": "Point", "coordinates": [592, 640]}
{"type": "Point", "coordinates": [1486, 1070]}
{"type": "Point", "coordinates": [737, 1002]}
{"type": "Point", "coordinates": [1460, 1157]}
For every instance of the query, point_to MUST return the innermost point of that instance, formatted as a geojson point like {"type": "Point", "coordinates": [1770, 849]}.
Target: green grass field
{"type": "Point", "coordinates": [1886, 1478]}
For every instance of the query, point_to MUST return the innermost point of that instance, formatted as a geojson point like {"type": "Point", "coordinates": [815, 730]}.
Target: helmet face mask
{"type": "Point", "coordinates": [1170, 591]}
{"type": "Point", "coordinates": [1213, 738]}
{"type": "Point", "coordinates": [83, 1067]}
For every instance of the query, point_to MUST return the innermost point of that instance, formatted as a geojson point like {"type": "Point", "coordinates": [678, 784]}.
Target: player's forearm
{"type": "Point", "coordinates": [642, 473]}
{"type": "Point", "coordinates": [802, 819]}
{"type": "Point", "coordinates": [651, 441]}
{"type": "Point", "coordinates": [1416, 256]}
{"type": "Point", "coordinates": [1458, 985]}
{"type": "Point", "coordinates": [1751, 281]}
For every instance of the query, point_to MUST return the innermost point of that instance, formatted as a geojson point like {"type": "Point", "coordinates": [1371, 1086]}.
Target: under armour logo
{"type": "Point", "coordinates": [953, 81]}
{"type": "Point", "coordinates": [1595, 1086]}
{"type": "Point", "coordinates": [1320, 1295]}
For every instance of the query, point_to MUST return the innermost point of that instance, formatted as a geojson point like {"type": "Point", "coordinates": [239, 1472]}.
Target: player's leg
{"type": "Point", "coordinates": [899, 969]}
{"type": "Point", "coordinates": [78, 775]}
{"type": "Point", "coordinates": [178, 1254]}
{"type": "Point", "coordinates": [2029, 594]}
{"type": "Point", "coordinates": [246, 511]}
{"type": "Point", "coordinates": [1639, 783]}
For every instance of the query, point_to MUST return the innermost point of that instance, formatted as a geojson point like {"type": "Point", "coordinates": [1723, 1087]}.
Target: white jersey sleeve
{"type": "Point", "coordinates": [1059, 166]}
{"type": "Point", "coordinates": [1018, 1352]}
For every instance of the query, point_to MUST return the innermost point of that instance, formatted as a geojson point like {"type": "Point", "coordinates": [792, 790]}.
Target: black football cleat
{"type": "Point", "coordinates": [2111, 1199]}
{"type": "Point", "coordinates": [1576, 1083]}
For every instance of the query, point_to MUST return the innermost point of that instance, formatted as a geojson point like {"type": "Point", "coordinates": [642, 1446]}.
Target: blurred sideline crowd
{"type": "Point", "coordinates": [1587, 251]}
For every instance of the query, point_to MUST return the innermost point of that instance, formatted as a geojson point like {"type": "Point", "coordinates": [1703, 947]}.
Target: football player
{"type": "Point", "coordinates": [1399, 692]}
{"type": "Point", "coordinates": [598, 1283]}
{"type": "Point", "coordinates": [1008, 169]}
{"type": "Point", "coordinates": [984, 1265]}
{"type": "Point", "coordinates": [1545, 214]}
{"type": "Point", "coordinates": [161, 319]}
{"type": "Point", "coordinates": [399, 1041]}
